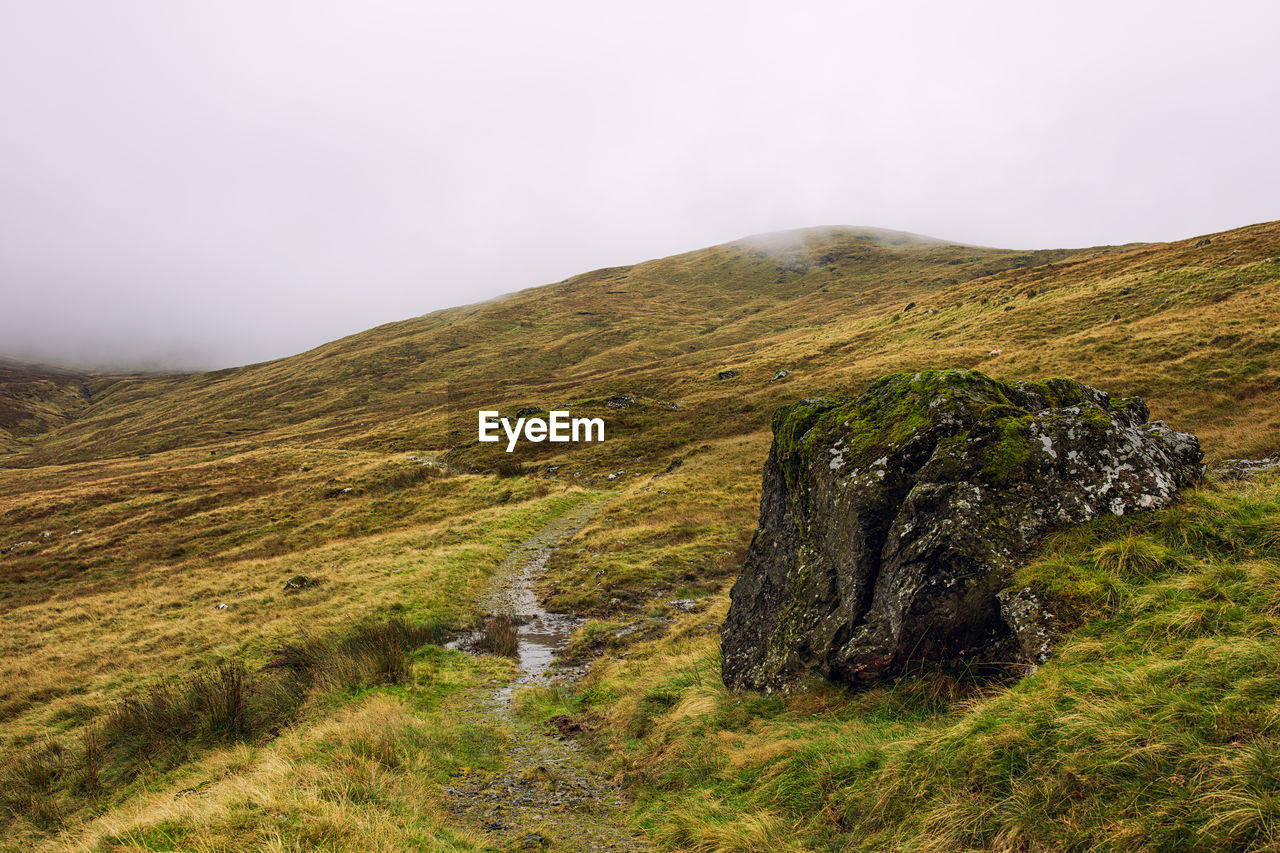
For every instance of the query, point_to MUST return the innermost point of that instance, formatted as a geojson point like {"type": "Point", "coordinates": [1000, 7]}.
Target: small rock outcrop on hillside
{"type": "Point", "coordinates": [888, 523]}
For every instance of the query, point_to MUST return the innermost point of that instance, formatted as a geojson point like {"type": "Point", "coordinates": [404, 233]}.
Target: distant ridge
{"type": "Point", "coordinates": [841, 302]}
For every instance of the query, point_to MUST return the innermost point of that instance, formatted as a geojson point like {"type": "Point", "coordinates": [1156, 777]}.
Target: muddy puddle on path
{"type": "Point", "coordinates": [541, 635]}
{"type": "Point", "coordinates": [549, 795]}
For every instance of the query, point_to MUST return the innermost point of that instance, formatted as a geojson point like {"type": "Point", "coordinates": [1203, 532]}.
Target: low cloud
{"type": "Point", "coordinates": [200, 185]}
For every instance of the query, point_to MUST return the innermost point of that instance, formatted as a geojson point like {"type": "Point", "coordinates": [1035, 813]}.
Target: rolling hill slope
{"type": "Point", "coordinates": [35, 399]}
{"type": "Point", "coordinates": [830, 305]}
{"type": "Point", "coordinates": [132, 508]}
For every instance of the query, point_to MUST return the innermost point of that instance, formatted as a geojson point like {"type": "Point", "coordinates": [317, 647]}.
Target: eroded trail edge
{"type": "Point", "coordinates": [548, 794]}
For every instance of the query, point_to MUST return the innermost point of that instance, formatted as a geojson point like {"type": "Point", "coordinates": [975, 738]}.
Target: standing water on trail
{"type": "Point", "coordinates": [548, 793]}
{"type": "Point", "coordinates": [541, 635]}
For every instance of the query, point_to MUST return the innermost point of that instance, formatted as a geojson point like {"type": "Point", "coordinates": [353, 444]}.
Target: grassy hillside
{"type": "Point", "coordinates": [35, 399]}
{"type": "Point", "coordinates": [132, 508]}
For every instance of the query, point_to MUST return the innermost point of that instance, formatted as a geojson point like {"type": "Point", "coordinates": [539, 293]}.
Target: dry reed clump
{"type": "Point", "coordinates": [498, 635]}
{"type": "Point", "coordinates": [364, 776]}
{"type": "Point", "coordinates": [377, 653]}
{"type": "Point", "coordinates": [508, 468]}
{"type": "Point", "coordinates": [407, 478]}
{"type": "Point", "coordinates": [224, 704]}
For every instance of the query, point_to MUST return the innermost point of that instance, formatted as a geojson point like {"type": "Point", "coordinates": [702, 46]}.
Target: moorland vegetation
{"type": "Point", "coordinates": [164, 686]}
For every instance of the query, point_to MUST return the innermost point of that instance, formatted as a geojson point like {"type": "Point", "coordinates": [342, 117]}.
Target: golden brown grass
{"type": "Point", "coordinates": [367, 778]}
{"type": "Point", "coordinates": [167, 496]}
{"type": "Point", "coordinates": [87, 641]}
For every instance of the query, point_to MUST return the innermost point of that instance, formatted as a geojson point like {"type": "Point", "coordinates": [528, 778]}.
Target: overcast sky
{"type": "Point", "coordinates": [213, 183]}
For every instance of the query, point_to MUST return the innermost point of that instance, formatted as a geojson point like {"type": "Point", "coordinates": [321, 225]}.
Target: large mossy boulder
{"type": "Point", "coordinates": [889, 523]}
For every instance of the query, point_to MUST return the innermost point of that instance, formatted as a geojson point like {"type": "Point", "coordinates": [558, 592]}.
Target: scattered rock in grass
{"type": "Point", "coordinates": [1243, 469]}
{"type": "Point", "coordinates": [300, 581]}
{"type": "Point", "coordinates": [684, 605]}
{"type": "Point", "coordinates": [620, 401]}
{"type": "Point", "coordinates": [781, 374]}
{"type": "Point", "coordinates": [727, 374]}
{"type": "Point", "coordinates": [221, 606]}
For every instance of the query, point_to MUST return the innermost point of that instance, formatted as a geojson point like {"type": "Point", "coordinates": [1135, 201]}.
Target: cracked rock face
{"type": "Point", "coordinates": [889, 523]}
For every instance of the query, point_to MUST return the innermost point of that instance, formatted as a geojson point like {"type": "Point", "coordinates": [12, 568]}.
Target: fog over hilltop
{"type": "Point", "coordinates": [202, 185]}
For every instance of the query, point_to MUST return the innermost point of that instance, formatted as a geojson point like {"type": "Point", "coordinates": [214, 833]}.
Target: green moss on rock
{"type": "Point", "coordinates": [914, 407]}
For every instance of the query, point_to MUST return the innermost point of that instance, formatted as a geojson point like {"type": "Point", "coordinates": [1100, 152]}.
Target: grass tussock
{"type": "Point", "coordinates": [375, 653]}
{"type": "Point", "coordinates": [508, 468]}
{"type": "Point", "coordinates": [397, 478]}
{"type": "Point", "coordinates": [705, 826]}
